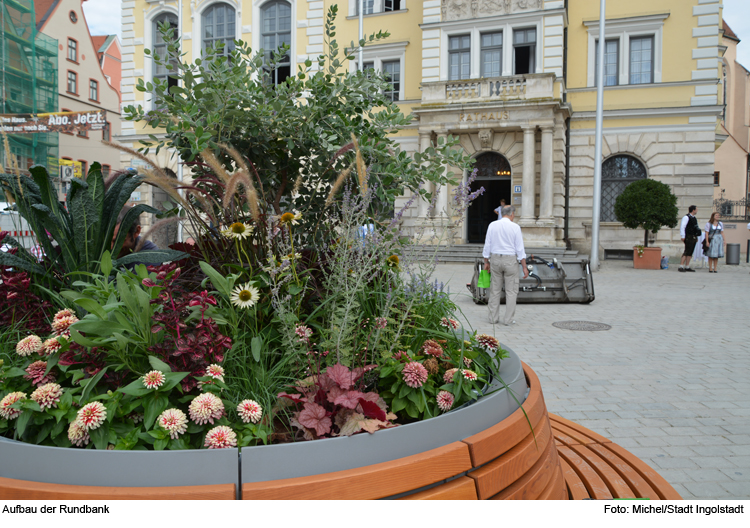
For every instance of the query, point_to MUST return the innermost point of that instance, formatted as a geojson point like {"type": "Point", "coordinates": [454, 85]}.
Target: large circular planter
{"type": "Point", "coordinates": [481, 451]}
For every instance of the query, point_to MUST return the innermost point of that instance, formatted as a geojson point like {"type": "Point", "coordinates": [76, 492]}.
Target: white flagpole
{"type": "Point", "coordinates": [360, 63]}
{"type": "Point", "coordinates": [596, 209]}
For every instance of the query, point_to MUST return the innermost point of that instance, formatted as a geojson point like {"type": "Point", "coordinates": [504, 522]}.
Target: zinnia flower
{"type": "Point", "coordinates": [5, 405]}
{"type": "Point", "coordinates": [249, 411]}
{"type": "Point", "coordinates": [215, 371]}
{"type": "Point", "coordinates": [153, 380]}
{"type": "Point", "coordinates": [469, 375]}
{"type": "Point", "coordinates": [445, 400]}
{"type": "Point", "coordinates": [63, 313]}
{"type": "Point", "coordinates": [29, 345]}
{"type": "Point", "coordinates": [448, 376]}
{"type": "Point", "coordinates": [221, 437]}
{"type": "Point", "coordinates": [174, 421]}
{"type": "Point", "coordinates": [92, 415]}
{"type": "Point", "coordinates": [51, 346]}
{"type": "Point", "coordinates": [245, 296]}
{"type": "Point", "coordinates": [35, 373]}
{"type": "Point", "coordinates": [62, 324]}
{"type": "Point", "coordinates": [47, 395]}
{"type": "Point", "coordinates": [206, 408]}
{"type": "Point", "coordinates": [487, 341]}
{"type": "Point", "coordinates": [401, 355]}
{"type": "Point", "coordinates": [431, 365]}
{"type": "Point", "coordinates": [414, 374]}
{"type": "Point", "coordinates": [290, 218]}
{"type": "Point", "coordinates": [432, 348]}
{"type": "Point", "coordinates": [467, 361]}
{"type": "Point", "coordinates": [449, 323]}
{"type": "Point", "coordinates": [77, 434]}
{"type": "Point", "coordinates": [239, 230]}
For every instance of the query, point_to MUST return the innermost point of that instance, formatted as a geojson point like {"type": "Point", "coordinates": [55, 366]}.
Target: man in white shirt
{"type": "Point", "coordinates": [688, 237]}
{"type": "Point", "coordinates": [503, 248]}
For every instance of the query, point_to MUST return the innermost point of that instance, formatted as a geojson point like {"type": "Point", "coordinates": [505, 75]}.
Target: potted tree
{"type": "Point", "coordinates": [647, 204]}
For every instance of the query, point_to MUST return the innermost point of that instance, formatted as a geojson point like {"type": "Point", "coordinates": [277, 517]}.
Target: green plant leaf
{"type": "Point", "coordinates": [91, 384]}
{"type": "Point", "coordinates": [91, 306]}
{"type": "Point", "coordinates": [153, 406]}
{"type": "Point", "coordinates": [100, 436]}
{"type": "Point", "coordinates": [154, 256]}
{"type": "Point", "coordinates": [76, 336]}
{"type": "Point", "coordinates": [171, 380]}
{"type": "Point", "coordinates": [158, 364]}
{"type": "Point", "coordinates": [22, 421]}
{"type": "Point", "coordinates": [217, 279]}
{"type": "Point", "coordinates": [106, 264]}
{"type": "Point", "coordinates": [135, 388]}
{"type": "Point", "coordinates": [256, 344]}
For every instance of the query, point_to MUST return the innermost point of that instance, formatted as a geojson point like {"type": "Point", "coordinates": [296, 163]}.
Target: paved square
{"type": "Point", "coordinates": [670, 381]}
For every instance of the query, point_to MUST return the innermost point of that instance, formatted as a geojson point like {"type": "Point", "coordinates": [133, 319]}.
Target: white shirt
{"type": "Point", "coordinates": [504, 238]}
{"type": "Point", "coordinates": [683, 225]}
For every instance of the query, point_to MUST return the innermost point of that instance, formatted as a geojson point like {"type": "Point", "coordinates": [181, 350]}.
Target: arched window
{"type": "Point", "coordinates": [276, 32]}
{"type": "Point", "coordinates": [159, 47]}
{"type": "Point", "coordinates": [492, 166]}
{"type": "Point", "coordinates": [218, 27]}
{"type": "Point", "coordinates": [617, 173]}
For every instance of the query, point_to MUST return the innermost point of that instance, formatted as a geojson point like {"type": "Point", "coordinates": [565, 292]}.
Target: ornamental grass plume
{"type": "Point", "coordinates": [47, 395]}
{"type": "Point", "coordinates": [153, 379]}
{"type": "Point", "coordinates": [29, 345]}
{"type": "Point", "coordinates": [414, 374]}
{"type": "Point", "coordinates": [445, 400]}
{"type": "Point", "coordinates": [6, 411]}
{"type": "Point", "coordinates": [77, 434]}
{"type": "Point", "coordinates": [448, 376]}
{"type": "Point", "coordinates": [51, 346]}
{"type": "Point", "coordinates": [206, 408]}
{"type": "Point", "coordinates": [221, 437]}
{"type": "Point", "coordinates": [174, 421]}
{"type": "Point", "coordinates": [432, 348]}
{"type": "Point", "coordinates": [250, 411]}
{"type": "Point", "coordinates": [35, 373]}
{"type": "Point", "coordinates": [92, 415]}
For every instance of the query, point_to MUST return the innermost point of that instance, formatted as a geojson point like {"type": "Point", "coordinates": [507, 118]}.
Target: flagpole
{"type": "Point", "coordinates": [596, 208]}
{"type": "Point", "coordinates": [360, 64]}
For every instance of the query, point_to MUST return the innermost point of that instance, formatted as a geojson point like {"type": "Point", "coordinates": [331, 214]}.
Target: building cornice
{"type": "Point", "coordinates": [504, 19]}
{"type": "Point", "coordinates": [673, 111]}
{"type": "Point", "coordinates": [640, 86]}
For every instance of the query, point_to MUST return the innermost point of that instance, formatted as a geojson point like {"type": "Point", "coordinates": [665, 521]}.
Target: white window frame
{"type": "Point", "coordinates": [377, 8]}
{"type": "Point", "coordinates": [623, 29]}
{"type": "Point", "coordinates": [197, 30]}
{"type": "Point", "coordinates": [475, 27]}
{"type": "Point", "coordinates": [148, 43]}
{"type": "Point", "coordinates": [257, 33]}
{"type": "Point", "coordinates": [380, 53]}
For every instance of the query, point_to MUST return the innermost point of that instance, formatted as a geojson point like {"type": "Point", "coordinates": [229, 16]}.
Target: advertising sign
{"type": "Point", "coordinates": [70, 122]}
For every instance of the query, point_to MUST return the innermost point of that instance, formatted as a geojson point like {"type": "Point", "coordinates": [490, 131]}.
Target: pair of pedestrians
{"type": "Point", "coordinates": [712, 239]}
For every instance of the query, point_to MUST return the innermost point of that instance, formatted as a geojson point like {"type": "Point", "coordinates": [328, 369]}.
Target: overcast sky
{"type": "Point", "coordinates": [103, 17]}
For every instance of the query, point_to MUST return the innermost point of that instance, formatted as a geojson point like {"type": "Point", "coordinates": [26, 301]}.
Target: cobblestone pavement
{"type": "Point", "coordinates": [670, 381]}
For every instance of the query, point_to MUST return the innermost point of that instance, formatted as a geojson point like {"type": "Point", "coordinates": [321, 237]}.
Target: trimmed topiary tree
{"type": "Point", "coordinates": [647, 204]}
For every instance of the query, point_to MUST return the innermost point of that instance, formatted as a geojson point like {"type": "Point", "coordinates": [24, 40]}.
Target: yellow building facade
{"type": "Point", "coordinates": [513, 80]}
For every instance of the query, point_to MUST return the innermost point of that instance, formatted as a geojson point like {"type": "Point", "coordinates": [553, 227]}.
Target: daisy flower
{"type": "Point", "coordinates": [239, 230]}
{"type": "Point", "coordinates": [92, 415]}
{"type": "Point", "coordinates": [249, 411]}
{"type": "Point", "coordinates": [5, 405]}
{"type": "Point", "coordinates": [221, 437]}
{"type": "Point", "coordinates": [29, 345]}
{"type": "Point", "coordinates": [245, 296]}
{"type": "Point", "coordinates": [290, 218]}
{"type": "Point", "coordinates": [445, 400]}
{"type": "Point", "coordinates": [153, 380]}
{"type": "Point", "coordinates": [174, 421]}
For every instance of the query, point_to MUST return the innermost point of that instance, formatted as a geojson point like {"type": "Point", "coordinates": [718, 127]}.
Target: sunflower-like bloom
{"type": "Point", "coordinates": [245, 296]}
{"type": "Point", "coordinates": [239, 230]}
{"type": "Point", "coordinates": [290, 218]}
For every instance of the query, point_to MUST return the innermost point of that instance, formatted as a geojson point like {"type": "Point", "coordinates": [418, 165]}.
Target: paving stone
{"type": "Point", "coordinates": [706, 490]}
{"type": "Point", "coordinates": [737, 489]}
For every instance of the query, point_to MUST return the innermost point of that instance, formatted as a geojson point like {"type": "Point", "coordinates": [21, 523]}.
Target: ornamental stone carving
{"type": "Point", "coordinates": [463, 9]}
{"type": "Point", "coordinates": [485, 138]}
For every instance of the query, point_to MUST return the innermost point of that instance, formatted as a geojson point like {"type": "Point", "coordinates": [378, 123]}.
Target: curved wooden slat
{"type": "Point", "coordinates": [462, 488]}
{"type": "Point", "coordinates": [663, 488]}
{"type": "Point", "coordinates": [617, 486]}
{"type": "Point", "coordinates": [637, 483]}
{"type": "Point", "coordinates": [576, 489]}
{"type": "Point", "coordinates": [594, 484]}
{"type": "Point", "coordinates": [493, 442]}
{"type": "Point", "coordinates": [556, 489]}
{"type": "Point", "coordinates": [578, 433]}
{"type": "Point", "coordinates": [533, 483]}
{"type": "Point", "coordinates": [369, 482]}
{"type": "Point", "coordinates": [11, 489]}
{"type": "Point", "coordinates": [497, 475]}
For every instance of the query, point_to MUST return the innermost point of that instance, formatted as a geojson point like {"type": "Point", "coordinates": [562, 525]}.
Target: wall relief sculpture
{"type": "Point", "coordinates": [463, 9]}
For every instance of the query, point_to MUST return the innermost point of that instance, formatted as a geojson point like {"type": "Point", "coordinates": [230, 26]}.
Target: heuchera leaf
{"type": "Point", "coordinates": [371, 410]}
{"type": "Point", "coordinates": [314, 416]}
{"type": "Point", "coordinates": [349, 399]}
{"type": "Point", "coordinates": [341, 375]}
{"type": "Point", "coordinates": [296, 398]}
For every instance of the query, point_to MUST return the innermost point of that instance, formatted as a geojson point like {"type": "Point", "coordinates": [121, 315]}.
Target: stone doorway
{"type": "Point", "coordinates": [494, 174]}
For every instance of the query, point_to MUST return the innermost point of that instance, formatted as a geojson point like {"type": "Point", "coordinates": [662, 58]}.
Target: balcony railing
{"type": "Point", "coordinates": [515, 87]}
{"type": "Point", "coordinates": [733, 209]}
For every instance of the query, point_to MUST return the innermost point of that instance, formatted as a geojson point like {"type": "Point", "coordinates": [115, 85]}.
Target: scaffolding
{"type": "Point", "coordinates": [28, 82]}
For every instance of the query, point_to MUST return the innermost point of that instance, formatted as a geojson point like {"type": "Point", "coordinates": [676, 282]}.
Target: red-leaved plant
{"type": "Point", "coordinates": [330, 404]}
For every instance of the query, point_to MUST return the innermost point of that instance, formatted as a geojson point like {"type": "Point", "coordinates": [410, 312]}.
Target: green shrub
{"type": "Point", "coordinates": [647, 204]}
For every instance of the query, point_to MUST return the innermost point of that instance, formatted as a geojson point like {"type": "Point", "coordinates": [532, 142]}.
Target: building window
{"type": "Point", "coordinates": [617, 173]}
{"type": "Point", "coordinates": [716, 178]}
{"type": "Point", "coordinates": [72, 82]}
{"type": "Point", "coordinates": [84, 168]}
{"type": "Point", "coordinates": [106, 134]}
{"type": "Point", "coordinates": [524, 51]}
{"type": "Point", "coordinates": [218, 27]}
{"type": "Point", "coordinates": [106, 169]}
{"type": "Point", "coordinates": [492, 54]}
{"type": "Point", "coordinates": [369, 6]}
{"type": "Point", "coordinates": [459, 57]}
{"type": "Point", "coordinates": [392, 74]}
{"type": "Point", "coordinates": [72, 50]}
{"type": "Point", "coordinates": [392, 5]}
{"type": "Point", "coordinates": [277, 32]}
{"type": "Point", "coordinates": [93, 90]}
{"type": "Point", "coordinates": [159, 48]}
{"type": "Point", "coordinates": [611, 61]}
{"type": "Point", "coordinates": [642, 60]}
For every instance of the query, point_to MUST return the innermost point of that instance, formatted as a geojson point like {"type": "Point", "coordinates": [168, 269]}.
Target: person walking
{"type": "Point", "coordinates": [503, 249]}
{"type": "Point", "coordinates": [689, 233]}
{"type": "Point", "coordinates": [715, 238]}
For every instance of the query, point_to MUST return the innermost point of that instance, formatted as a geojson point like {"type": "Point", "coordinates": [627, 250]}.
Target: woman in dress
{"type": "Point", "coordinates": [715, 237]}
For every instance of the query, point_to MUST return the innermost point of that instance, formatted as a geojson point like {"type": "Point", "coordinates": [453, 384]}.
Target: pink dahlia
{"type": "Point", "coordinates": [249, 411]}
{"type": "Point", "coordinates": [469, 375]}
{"type": "Point", "coordinates": [153, 380]}
{"type": "Point", "coordinates": [47, 395]}
{"type": "Point", "coordinates": [448, 376]}
{"type": "Point", "coordinates": [487, 341]}
{"type": "Point", "coordinates": [35, 373]}
{"type": "Point", "coordinates": [215, 371]}
{"type": "Point", "coordinates": [174, 421]}
{"type": "Point", "coordinates": [92, 415]}
{"type": "Point", "coordinates": [77, 434]}
{"type": "Point", "coordinates": [206, 408]}
{"type": "Point", "coordinates": [6, 411]}
{"type": "Point", "coordinates": [51, 346]}
{"type": "Point", "coordinates": [61, 325]}
{"type": "Point", "coordinates": [414, 374]}
{"type": "Point", "coordinates": [449, 323]}
{"type": "Point", "coordinates": [29, 345]}
{"type": "Point", "coordinates": [445, 400]}
{"type": "Point", "coordinates": [221, 437]}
